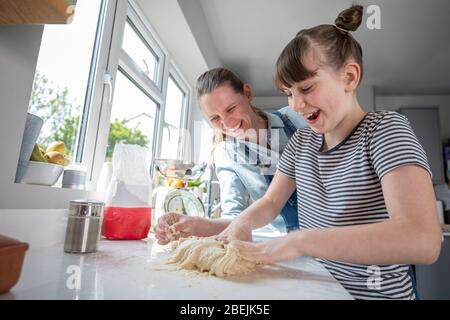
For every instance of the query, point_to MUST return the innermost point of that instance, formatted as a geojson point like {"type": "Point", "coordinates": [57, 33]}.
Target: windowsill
{"type": "Point", "coordinates": [29, 196]}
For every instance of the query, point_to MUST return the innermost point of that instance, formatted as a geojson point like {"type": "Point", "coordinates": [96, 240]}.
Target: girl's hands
{"type": "Point", "coordinates": [267, 252]}
{"type": "Point", "coordinates": [236, 231]}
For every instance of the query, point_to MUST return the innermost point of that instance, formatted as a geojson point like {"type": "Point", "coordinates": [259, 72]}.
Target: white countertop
{"type": "Point", "coordinates": [132, 270]}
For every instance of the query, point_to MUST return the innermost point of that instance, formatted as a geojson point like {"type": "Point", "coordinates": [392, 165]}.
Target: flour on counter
{"type": "Point", "coordinates": [208, 255]}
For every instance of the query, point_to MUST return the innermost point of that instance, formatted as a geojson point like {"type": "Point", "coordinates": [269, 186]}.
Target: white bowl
{"type": "Point", "coordinates": [42, 173]}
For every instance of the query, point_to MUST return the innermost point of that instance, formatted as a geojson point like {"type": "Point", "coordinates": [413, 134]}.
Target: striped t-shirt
{"type": "Point", "coordinates": [342, 187]}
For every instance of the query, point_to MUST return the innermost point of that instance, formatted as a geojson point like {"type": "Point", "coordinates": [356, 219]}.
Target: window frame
{"type": "Point", "coordinates": [96, 138]}
{"type": "Point", "coordinates": [181, 83]}
{"type": "Point", "coordinates": [97, 122]}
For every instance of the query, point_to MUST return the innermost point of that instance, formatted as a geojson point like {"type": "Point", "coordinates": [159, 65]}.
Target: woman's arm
{"type": "Point", "coordinates": [234, 196]}
{"type": "Point", "coordinates": [171, 226]}
{"type": "Point", "coordinates": [412, 235]}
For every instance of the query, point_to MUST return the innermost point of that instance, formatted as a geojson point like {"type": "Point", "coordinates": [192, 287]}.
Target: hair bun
{"type": "Point", "coordinates": [350, 19]}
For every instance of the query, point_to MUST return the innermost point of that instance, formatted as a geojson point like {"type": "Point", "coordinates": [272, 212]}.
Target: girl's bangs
{"type": "Point", "coordinates": [289, 67]}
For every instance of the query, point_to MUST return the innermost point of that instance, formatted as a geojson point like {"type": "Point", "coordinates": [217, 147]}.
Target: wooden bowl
{"type": "Point", "coordinates": [12, 253]}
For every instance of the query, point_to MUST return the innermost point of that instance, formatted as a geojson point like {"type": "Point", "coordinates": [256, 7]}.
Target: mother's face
{"type": "Point", "coordinates": [228, 111]}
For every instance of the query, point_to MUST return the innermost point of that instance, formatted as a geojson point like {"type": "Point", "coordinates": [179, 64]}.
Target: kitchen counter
{"type": "Point", "coordinates": [133, 270]}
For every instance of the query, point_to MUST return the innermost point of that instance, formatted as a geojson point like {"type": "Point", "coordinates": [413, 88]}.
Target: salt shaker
{"type": "Point", "coordinates": [83, 226]}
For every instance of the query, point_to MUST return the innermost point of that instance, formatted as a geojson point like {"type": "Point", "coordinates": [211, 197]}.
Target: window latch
{"type": "Point", "coordinates": [147, 70]}
{"type": "Point", "coordinates": [107, 80]}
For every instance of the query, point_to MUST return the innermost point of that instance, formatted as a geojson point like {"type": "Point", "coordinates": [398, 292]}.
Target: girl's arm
{"type": "Point", "coordinates": [234, 199]}
{"type": "Point", "coordinates": [412, 235]}
{"type": "Point", "coordinates": [262, 211]}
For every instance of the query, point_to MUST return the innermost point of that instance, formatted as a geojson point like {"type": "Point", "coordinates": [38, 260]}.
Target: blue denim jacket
{"type": "Point", "coordinates": [244, 169]}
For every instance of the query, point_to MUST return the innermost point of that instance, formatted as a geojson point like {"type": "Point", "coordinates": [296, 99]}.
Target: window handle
{"type": "Point", "coordinates": [168, 126]}
{"type": "Point", "coordinates": [147, 70]}
{"type": "Point", "coordinates": [107, 80]}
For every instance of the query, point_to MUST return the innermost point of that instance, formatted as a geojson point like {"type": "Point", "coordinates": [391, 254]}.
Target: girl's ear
{"type": "Point", "coordinates": [248, 92]}
{"type": "Point", "coordinates": [352, 75]}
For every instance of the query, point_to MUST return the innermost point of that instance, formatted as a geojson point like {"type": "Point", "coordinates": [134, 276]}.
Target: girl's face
{"type": "Point", "coordinates": [228, 111]}
{"type": "Point", "coordinates": [322, 100]}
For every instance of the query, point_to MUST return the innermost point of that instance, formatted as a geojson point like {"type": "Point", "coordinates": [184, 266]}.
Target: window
{"type": "Point", "coordinates": [133, 121]}
{"type": "Point", "coordinates": [139, 51]}
{"type": "Point", "coordinates": [59, 95]}
{"type": "Point", "coordinates": [150, 96]}
{"type": "Point", "coordinates": [172, 138]}
{"type": "Point", "coordinates": [107, 78]}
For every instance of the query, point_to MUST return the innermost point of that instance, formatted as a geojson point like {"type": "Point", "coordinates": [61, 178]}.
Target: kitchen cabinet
{"type": "Point", "coordinates": [36, 11]}
{"type": "Point", "coordinates": [433, 281]}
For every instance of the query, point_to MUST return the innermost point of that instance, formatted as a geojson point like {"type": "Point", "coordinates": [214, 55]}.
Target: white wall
{"type": "Point", "coordinates": [366, 98]}
{"type": "Point", "coordinates": [19, 46]}
{"type": "Point", "coordinates": [195, 17]}
{"type": "Point", "coordinates": [443, 102]}
{"type": "Point", "coordinates": [169, 22]}
{"type": "Point", "coordinates": [270, 102]}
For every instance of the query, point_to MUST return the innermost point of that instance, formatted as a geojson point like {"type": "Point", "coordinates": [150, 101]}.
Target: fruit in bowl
{"type": "Point", "coordinates": [55, 153]}
{"type": "Point", "coordinates": [42, 173]}
{"type": "Point", "coordinates": [174, 183]}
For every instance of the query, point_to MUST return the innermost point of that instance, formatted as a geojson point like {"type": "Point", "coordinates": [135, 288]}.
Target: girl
{"type": "Point", "coordinates": [226, 102]}
{"type": "Point", "coordinates": [365, 196]}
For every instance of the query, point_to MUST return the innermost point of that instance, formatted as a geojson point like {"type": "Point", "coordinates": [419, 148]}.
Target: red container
{"type": "Point", "coordinates": [126, 223]}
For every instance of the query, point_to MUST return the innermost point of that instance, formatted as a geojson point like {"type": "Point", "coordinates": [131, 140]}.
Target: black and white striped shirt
{"type": "Point", "coordinates": [342, 187]}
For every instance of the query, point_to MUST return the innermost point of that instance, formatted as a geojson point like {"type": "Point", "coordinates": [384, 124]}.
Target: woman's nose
{"type": "Point", "coordinates": [228, 123]}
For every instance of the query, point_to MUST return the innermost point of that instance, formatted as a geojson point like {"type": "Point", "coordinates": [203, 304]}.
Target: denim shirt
{"type": "Point", "coordinates": [241, 166]}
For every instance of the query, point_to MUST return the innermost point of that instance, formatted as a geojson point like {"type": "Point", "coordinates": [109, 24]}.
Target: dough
{"type": "Point", "coordinates": [172, 233]}
{"type": "Point", "coordinates": [208, 255]}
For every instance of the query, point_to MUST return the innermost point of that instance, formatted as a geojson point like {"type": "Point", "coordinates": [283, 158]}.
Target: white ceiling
{"type": "Point", "coordinates": [410, 55]}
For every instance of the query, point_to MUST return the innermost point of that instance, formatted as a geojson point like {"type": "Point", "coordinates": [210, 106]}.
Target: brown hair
{"type": "Point", "coordinates": [335, 43]}
{"type": "Point", "coordinates": [215, 78]}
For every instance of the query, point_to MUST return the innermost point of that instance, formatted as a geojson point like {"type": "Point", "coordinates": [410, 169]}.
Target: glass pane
{"type": "Point", "coordinates": [139, 51]}
{"type": "Point", "coordinates": [62, 73]}
{"type": "Point", "coordinates": [172, 117]}
{"type": "Point", "coordinates": [133, 116]}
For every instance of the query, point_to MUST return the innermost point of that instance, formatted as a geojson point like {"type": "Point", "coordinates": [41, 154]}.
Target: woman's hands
{"type": "Point", "coordinates": [172, 226]}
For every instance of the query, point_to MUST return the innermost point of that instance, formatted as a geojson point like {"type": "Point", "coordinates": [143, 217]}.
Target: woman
{"type": "Point", "coordinates": [247, 148]}
{"type": "Point", "coordinates": [366, 199]}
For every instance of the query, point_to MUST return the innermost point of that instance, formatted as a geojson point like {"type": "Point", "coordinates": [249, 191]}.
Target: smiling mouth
{"type": "Point", "coordinates": [312, 116]}
{"type": "Point", "coordinates": [236, 128]}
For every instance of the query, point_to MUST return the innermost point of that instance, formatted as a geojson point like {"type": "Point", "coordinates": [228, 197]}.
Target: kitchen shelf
{"type": "Point", "coordinates": [36, 11]}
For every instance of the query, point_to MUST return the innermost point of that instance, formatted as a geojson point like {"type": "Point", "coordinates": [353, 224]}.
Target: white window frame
{"type": "Point", "coordinates": [96, 138]}
{"type": "Point", "coordinates": [185, 118]}
{"type": "Point", "coordinates": [97, 85]}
